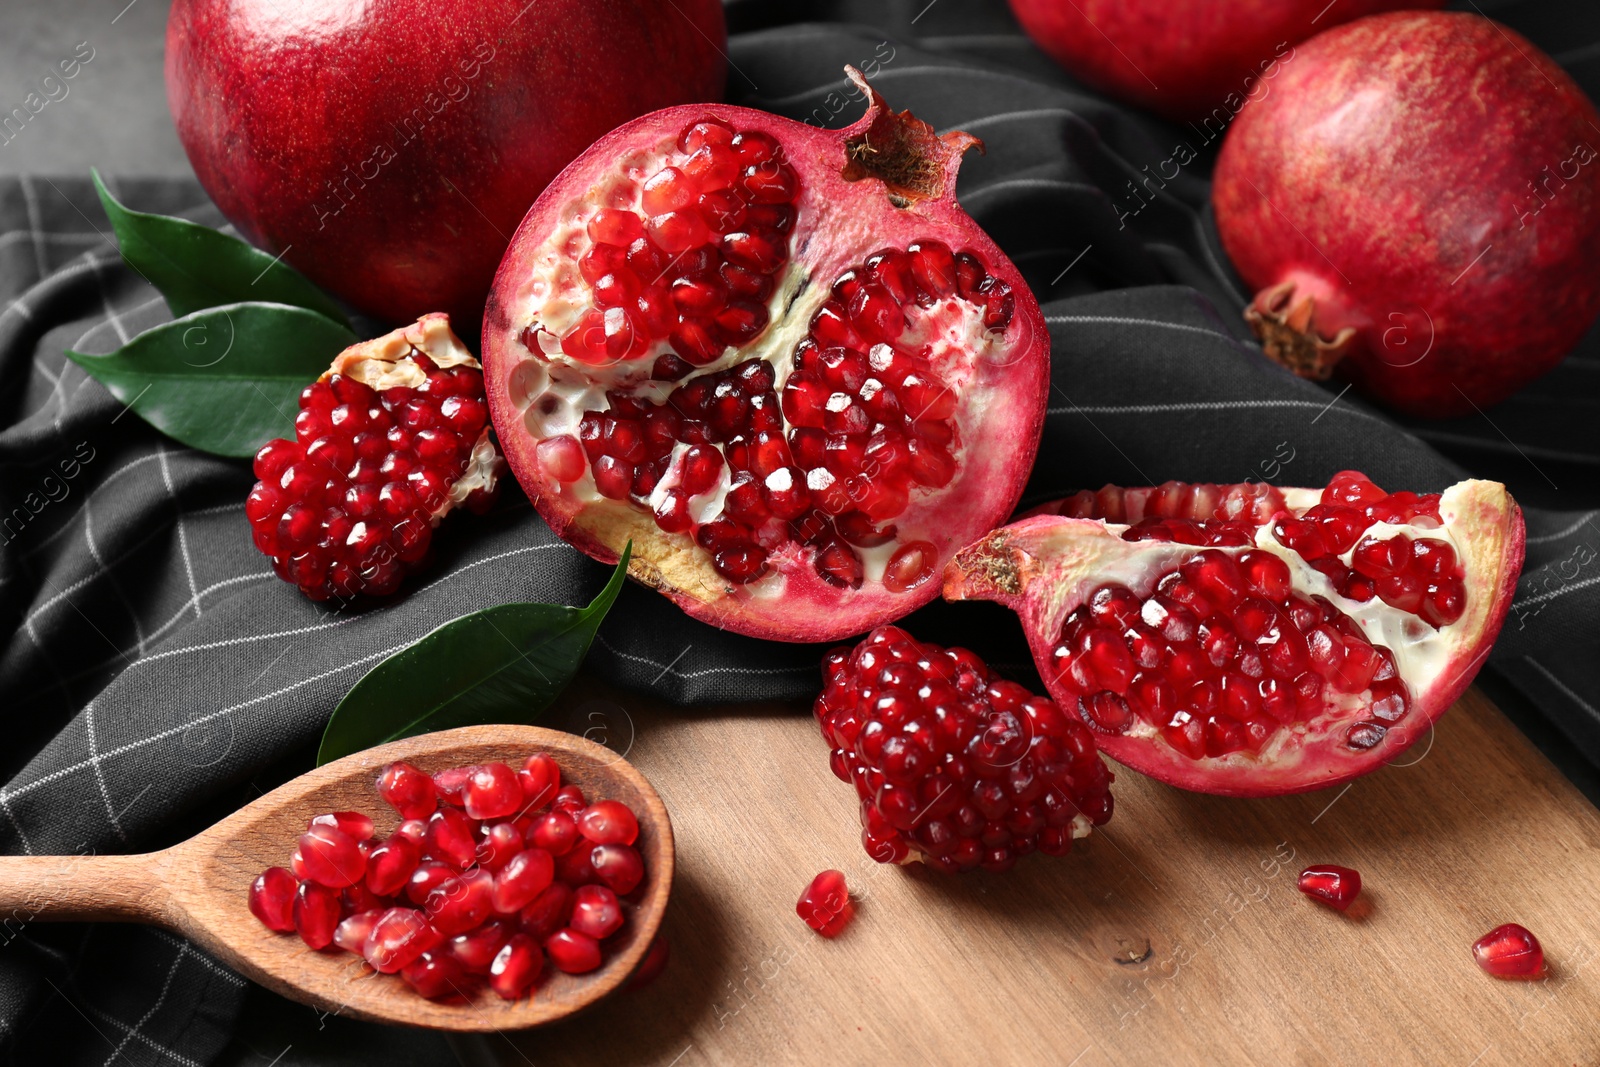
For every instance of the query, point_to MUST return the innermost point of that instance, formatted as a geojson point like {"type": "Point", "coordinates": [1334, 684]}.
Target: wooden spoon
{"type": "Point", "coordinates": [199, 889]}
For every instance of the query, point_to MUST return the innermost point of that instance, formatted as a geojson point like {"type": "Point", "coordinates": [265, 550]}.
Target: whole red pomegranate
{"type": "Point", "coordinates": [781, 360]}
{"type": "Point", "coordinates": [1250, 640]}
{"type": "Point", "coordinates": [1186, 59]}
{"type": "Point", "coordinates": [1418, 202]}
{"type": "Point", "coordinates": [388, 148]}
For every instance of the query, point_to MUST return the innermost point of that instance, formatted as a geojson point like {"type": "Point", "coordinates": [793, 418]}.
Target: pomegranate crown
{"type": "Point", "coordinates": [911, 159]}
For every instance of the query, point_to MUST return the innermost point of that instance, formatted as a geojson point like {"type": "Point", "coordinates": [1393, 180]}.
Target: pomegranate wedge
{"type": "Point", "coordinates": [780, 359]}
{"type": "Point", "coordinates": [1250, 641]}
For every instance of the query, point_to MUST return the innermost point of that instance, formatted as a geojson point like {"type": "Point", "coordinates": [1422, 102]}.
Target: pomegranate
{"type": "Point", "coordinates": [386, 149]}
{"type": "Point", "coordinates": [954, 765]}
{"type": "Point", "coordinates": [780, 359]}
{"type": "Point", "coordinates": [1509, 951]}
{"type": "Point", "coordinates": [1185, 59]}
{"type": "Point", "coordinates": [1336, 887]}
{"type": "Point", "coordinates": [1249, 640]}
{"type": "Point", "coordinates": [392, 437]}
{"type": "Point", "coordinates": [462, 899]}
{"type": "Point", "coordinates": [1441, 278]}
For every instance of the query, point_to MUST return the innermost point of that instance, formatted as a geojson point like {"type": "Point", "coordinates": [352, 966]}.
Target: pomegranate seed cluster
{"type": "Point", "coordinates": [828, 457]}
{"type": "Point", "coordinates": [1221, 656]}
{"type": "Point", "coordinates": [492, 871]}
{"type": "Point", "coordinates": [953, 763]}
{"type": "Point", "coordinates": [348, 506]}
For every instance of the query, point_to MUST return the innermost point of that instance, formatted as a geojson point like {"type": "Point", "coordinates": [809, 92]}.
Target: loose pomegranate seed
{"type": "Point", "coordinates": [522, 879]}
{"type": "Point", "coordinates": [497, 845]}
{"type": "Point", "coordinates": [548, 912]}
{"type": "Point", "coordinates": [655, 961]}
{"type": "Point", "coordinates": [577, 866]}
{"type": "Point", "coordinates": [407, 790]}
{"type": "Point", "coordinates": [316, 914]}
{"type": "Point", "coordinates": [434, 976]}
{"type": "Point", "coordinates": [399, 936]}
{"type": "Point", "coordinates": [596, 912]}
{"type": "Point", "coordinates": [1509, 951]}
{"type": "Point", "coordinates": [452, 838]}
{"type": "Point", "coordinates": [540, 777]}
{"type": "Point", "coordinates": [516, 967]}
{"type": "Point", "coordinates": [347, 507]}
{"type": "Point", "coordinates": [555, 832]}
{"type": "Point", "coordinates": [426, 878]}
{"type": "Point", "coordinates": [272, 897]}
{"type": "Point", "coordinates": [572, 952]}
{"type": "Point", "coordinates": [416, 829]}
{"type": "Point", "coordinates": [391, 864]}
{"type": "Point", "coordinates": [357, 825]}
{"type": "Point", "coordinates": [492, 792]}
{"type": "Point", "coordinates": [608, 822]}
{"type": "Point", "coordinates": [351, 934]}
{"type": "Point", "coordinates": [952, 762]}
{"type": "Point", "coordinates": [476, 949]}
{"type": "Point", "coordinates": [451, 784]}
{"type": "Point", "coordinates": [1334, 886]}
{"type": "Point", "coordinates": [825, 905]}
{"type": "Point", "coordinates": [331, 856]}
{"type": "Point", "coordinates": [459, 903]}
{"type": "Point", "coordinates": [570, 799]}
{"type": "Point", "coordinates": [618, 866]}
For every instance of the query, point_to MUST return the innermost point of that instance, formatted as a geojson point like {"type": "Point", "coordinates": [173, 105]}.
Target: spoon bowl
{"type": "Point", "coordinates": [200, 888]}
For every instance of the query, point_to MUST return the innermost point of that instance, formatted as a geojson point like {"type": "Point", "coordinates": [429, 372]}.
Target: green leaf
{"type": "Point", "coordinates": [196, 267]}
{"type": "Point", "coordinates": [500, 665]}
{"type": "Point", "coordinates": [224, 380]}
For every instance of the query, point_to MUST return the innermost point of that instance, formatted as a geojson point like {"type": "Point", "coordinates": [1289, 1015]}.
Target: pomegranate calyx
{"type": "Point", "coordinates": [1288, 333]}
{"type": "Point", "coordinates": [906, 154]}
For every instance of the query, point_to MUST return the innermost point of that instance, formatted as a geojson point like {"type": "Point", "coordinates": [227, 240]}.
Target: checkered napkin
{"type": "Point", "coordinates": [154, 665]}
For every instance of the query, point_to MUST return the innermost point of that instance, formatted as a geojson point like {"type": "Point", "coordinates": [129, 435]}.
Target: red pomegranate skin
{"type": "Point", "coordinates": [388, 148]}
{"type": "Point", "coordinates": [1185, 59]}
{"type": "Point", "coordinates": [1432, 182]}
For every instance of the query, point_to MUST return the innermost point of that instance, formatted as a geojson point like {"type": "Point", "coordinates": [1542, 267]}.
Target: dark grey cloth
{"type": "Point", "coordinates": [156, 673]}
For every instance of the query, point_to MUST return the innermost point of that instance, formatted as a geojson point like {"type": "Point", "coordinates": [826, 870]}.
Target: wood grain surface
{"type": "Point", "coordinates": [1173, 936]}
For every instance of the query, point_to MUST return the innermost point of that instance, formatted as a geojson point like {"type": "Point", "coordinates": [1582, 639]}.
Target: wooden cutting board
{"type": "Point", "coordinates": [1174, 935]}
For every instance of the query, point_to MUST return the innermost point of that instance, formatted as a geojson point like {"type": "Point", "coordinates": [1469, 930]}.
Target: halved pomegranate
{"type": "Point", "coordinates": [1249, 640]}
{"type": "Point", "coordinates": [780, 359]}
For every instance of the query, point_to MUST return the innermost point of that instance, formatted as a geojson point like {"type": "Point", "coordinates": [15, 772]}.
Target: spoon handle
{"type": "Point", "coordinates": [83, 888]}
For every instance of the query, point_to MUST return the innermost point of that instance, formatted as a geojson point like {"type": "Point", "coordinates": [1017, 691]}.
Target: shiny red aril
{"type": "Point", "coordinates": [427, 877]}
{"type": "Point", "coordinates": [390, 439]}
{"type": "Point", "coordinates": [353, 823]}
{"type": "Point", "coordinates": [825, 905]}
{"type": "Point", "coordinates": [316, 912]}
{"type": "Point", "coordinates": [399, 936]}
{"type": "Point", "coordinates": [391, 864]}
{"type": "Point", "coordinates": [595, 911]}
{"type": "Point", "coordinates": [570, 799]}
{"type": "Point", "coordinates": [435, 976]}
{"type": "Point", "coordinates": [331, 856]}
{"type": "Point", "coordinates": [516, 966]}
{"type": "Point", "coordinates": [352, 932]}
{"type": "Point", "coordinates": [493, 792]}
{"type": "Point", "coordinates": [901, 408]}
{"type": "Point", "coordinates": [407, 790]}
{"type": "Point", "coordinates": [555, 832]}
{"type": "Point", "coordinates": [1336, 887]}
{"type": "Point", "coordinates": [547, 912]}
{"type": "Point", "coordinates": [572, 952]}
{"type": "Point", "coordinates": [459, 903]}
{"type": "Point", "coordinates": [608, 822]}
{"type": "Point", "coordinates": [497, 845]}
{"type": "Point", "coordinates": [526, 876]}
{"type": "Point", "coordinates": [540, 777]}
{"type": "Point", "coordinates": [1509, 951]}
{"type": "Point", "coordinates": [452, 838]}
{"type": "Point", "coordinates": [477, 948]}
{"type": "Point", "coordinates": [618, 866]}
{"type": "Point", "coordinates": [1217, 637]}
{"type": "Point", "coordinates": [272, 897]}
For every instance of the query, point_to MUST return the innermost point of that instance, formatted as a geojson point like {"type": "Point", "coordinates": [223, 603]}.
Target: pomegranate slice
{"type": "Point", "coordinates": [1247, 640]}
{"type": "Point", "coordinates": [780, 359]}
{"type": "Point", "coordinates": [389, 440]}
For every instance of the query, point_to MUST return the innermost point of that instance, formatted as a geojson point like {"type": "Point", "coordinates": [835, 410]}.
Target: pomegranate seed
{"type": "Point", "coordinates": [654, 962]}
{"type": "Point", "coordinates": [825, 905]}
{"type": "Point", "coordinates": [1334, 886]}
{"type": "Point", "coordinates": [1509, 951]}
{"type": "Point", "coordinates": [608, 822]}
{"type": "Point", "coordinates": [555, 832]}
{"type": "Point", "coordinates": [577, 867]}
{"type": "Point", "coordinates": [391, 864]}
{"type": "Point", "coordinates": [351, 933]}
{"type": "Point", "coordinates": [570, 799]}
{"type": "Point", "coordinates": [434, 976]}
{"type": "Point", "coordinates": [516, 967]}
{"type": "Point", "coordinates": [451, 784]}
{"type": "Point", "coordinates": [316, 912]}
{"type": "Point", "coordinates": [353, 823]}
{"type": "Point", "coordinates": [331, 856]}
{"type": "Point", "coordinates": [540, 778]}
{"type": "Point", "coordinates": [548, 912]}
{"type": "Point", "coordinates": [498, 844]}
{"type": "Point", "coordinates": [272, 897]}
{"type": "Point", "coordinates": [425, 879]}
{"type": "Point", "coordinates": [492, 792]}
{"type": "Point", "coordinates": [476, 949]}
{"type": "Point", "coordinates": [618, 866]}
{"type": "Point", "coordinates": [461, 902]}
{"type": "Point", "coordinates": [452, 838]}
{"type": "Point", "coordinates": [407, 790]}
{"type": "Point", "coordinates": [572, 952]}
{"type": "Point", "coordinates": [522, 879]}
{"type": "Point", "coordinates": [595, 912]}
{"type": "Point", "coordinates": [398, 937]}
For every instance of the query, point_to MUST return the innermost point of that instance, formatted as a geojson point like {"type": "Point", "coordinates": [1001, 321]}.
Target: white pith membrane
{"type": "Point", "coordinates": [1047, 566]}
{"type": "Point", "coordinates": [552, 391]}
{"type": "Point", "coordinates": [386, 362]}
